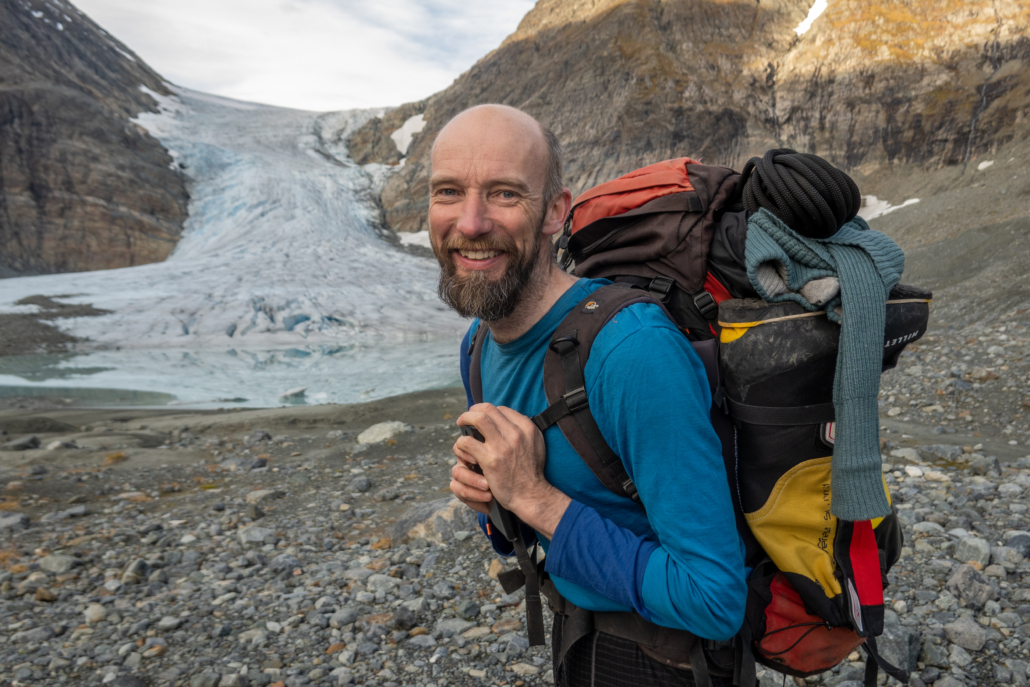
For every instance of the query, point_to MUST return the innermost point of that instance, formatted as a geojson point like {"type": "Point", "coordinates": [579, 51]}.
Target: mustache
{"type": "Point", "coordinates": [463, 243]}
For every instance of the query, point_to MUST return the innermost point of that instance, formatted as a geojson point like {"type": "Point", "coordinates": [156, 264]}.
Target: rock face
{"type": "Point", "coordinates": [624, 84]}
{"type": "Point", "coordinates": [81, 186]}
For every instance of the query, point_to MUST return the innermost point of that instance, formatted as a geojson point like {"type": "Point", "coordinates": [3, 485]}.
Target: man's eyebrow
{"type": "Point", "coordinates": [439, 180]}
{"type": "Point", "coordinates": [516, 184]}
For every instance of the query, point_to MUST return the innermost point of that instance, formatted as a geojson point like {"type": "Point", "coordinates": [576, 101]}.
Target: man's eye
{"type": "Point", "coordinates": [508, 195]}
{"type": "Point", "coordinates": [447, 192]}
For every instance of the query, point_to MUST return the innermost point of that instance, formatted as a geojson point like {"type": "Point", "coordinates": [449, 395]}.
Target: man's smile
{"type": "Point", "coordinates": [479, 254]}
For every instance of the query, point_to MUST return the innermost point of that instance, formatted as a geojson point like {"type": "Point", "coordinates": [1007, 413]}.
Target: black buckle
{"type": "Point", "coordinates": [660, 288]}
{"type": "Point", "coordinates": [706, 304]}
{"type": "Point", "coordinates": [576, 399]}
{"type": "Point", "coordinates": [558, 345]}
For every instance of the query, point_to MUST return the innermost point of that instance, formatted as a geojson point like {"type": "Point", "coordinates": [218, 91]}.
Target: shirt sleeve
{"type": "Point", "coordinates": [651, 401]}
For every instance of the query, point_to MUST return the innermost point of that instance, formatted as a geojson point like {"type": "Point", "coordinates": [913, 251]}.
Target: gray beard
{"type": "Point", "coordinates": [477, 296]}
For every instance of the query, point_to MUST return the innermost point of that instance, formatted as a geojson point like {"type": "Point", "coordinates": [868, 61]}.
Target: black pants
{"type": "Point", "coordinates": [604, 660]}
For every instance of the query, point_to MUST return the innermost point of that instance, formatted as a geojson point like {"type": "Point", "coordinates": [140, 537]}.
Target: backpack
{"type": "Point", "coordinates": [673, 234]}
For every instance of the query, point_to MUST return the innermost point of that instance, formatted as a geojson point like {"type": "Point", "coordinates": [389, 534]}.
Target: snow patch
{"type": "Point", "coordinates": [402, 137]}
{"type": "Point", "coordinates": [984, 165]}
{"type": "Point", "coordinates": [874, 207]}
{"type": "Point", "coordinates": [37, 15]}
{"type": "Point", "coordinates": [818, 8]}
{"type": "Point", "coordinates": [414, 238]}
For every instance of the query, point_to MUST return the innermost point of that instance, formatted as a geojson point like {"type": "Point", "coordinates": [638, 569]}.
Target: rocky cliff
{"type": "Point", "coordinates": [81, 186]}
{"type": "Point", "coordinates": [629, 82]}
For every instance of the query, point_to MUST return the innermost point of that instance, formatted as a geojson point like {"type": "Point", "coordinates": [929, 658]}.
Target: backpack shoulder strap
{"type": "Point", "coordinates": [565, 385]}
{"type": "Point", "coordinates": [475, 352]}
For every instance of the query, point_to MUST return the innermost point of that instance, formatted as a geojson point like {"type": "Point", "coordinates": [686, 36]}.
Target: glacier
{"type": "Point", "coordinates": [282, 250]}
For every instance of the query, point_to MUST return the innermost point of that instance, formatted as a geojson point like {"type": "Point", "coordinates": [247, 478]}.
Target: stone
{"type": "Point", "coordinates": [127, 681]}
{"type": "Point", "coordinates": [933, 654]}
{"type": "Point", "coordinates": [523, 669]}
{"type": "Point", "coordinates": [59, 564]}
{"type": "Point", "coordinates": [23, 444]}
{"type": "Point", "coordinates": [913, 471]}
{"type": "Point", "coordinates": [205, 680]}
{"type": "Point", "coordinates": [1020, 541]}
{"type": "Point", "coordinates": [36, 635]}
{"type": "Point", "coordinates": [383, 583]}
{"type": "Point", "coordinates": [403, 619]}
{"type": "Point", "coordinates": [360, 484]}
{"type": "Point", "coordinates": [1007, 557]}
{"type": "Point", "coordinates": [942, 451]}
{"type": "Point", "coordinates": [971, 586]}
{"type": "Point", "coordinates": [234, 680]}
{"type": "Point", "coordinates": [256, 437]}
{"type": "Point", "coordinates": [168, 623]}
{"type": "Point", "coordinates": [94, 613]}
{"type": "Point", "coordinates": [454, 625]}
{"type": "Point", "coordinates": [13, 521]}
{"type": "Point", "coordinates": [959, 656]}
{"type": "Point", "coordinates": [973, 549]}
{"type": "Point", "coordinates": [344, 616]}
{"type": "Point", "coordinates": [468, 609]}
{"type": "Point", "coordinates": [254, 536]}
{"type": "Point", "coordinates": [909, 454]}
{"type": "Point", "coordinates": [262, 495]}
{"type": "Point", "coordinates": [437, 521]}
{"type": "Point", "coordinates": [422, 641]}
{"type": "Point", "coordinates": [966, 633]}
{"type": "Point", "coordinates": [383, 431]}
{"type": "Point", "coordinates": [45, 595]}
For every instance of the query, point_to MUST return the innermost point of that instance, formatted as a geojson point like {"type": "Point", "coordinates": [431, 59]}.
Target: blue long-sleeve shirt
{"type": "Point", "coordinates": [679, 566]}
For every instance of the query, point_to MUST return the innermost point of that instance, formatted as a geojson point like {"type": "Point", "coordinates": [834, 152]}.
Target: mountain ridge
{"type": "Point", "coordinates": [81, 186]}
{"type": "Point", "coordinates": [625, 83]}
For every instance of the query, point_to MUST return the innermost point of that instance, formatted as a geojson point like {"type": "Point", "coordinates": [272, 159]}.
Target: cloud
{"type": "Point", "coordinates": [311, 54]}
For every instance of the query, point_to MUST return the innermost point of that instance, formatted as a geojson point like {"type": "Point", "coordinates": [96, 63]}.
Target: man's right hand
{"type": "Point", "coordinates": [470, 487]}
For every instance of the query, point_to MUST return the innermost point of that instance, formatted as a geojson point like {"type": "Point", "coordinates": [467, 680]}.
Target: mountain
{"type": "Point", "coordinates": [871, 86]}
{"type": "Point", "coordinates": [82, 187]}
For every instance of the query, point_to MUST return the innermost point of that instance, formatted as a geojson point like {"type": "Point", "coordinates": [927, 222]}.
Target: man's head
{"type": "Point", "coordinates": [495, 192]}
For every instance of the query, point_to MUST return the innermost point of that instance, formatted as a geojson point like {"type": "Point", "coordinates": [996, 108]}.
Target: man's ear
{"type": "Point", "coordinates": [557, 211]}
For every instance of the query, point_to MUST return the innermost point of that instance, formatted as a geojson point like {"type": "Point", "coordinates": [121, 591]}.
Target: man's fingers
{"type": "Point", "coordinates": [518, 419]}
{"type": "Point", "coordinates": [463, 474]}
{"type": "Point", "coordinates": [468, 494]}
{"type": "Point", "coordinates": [486, 418]}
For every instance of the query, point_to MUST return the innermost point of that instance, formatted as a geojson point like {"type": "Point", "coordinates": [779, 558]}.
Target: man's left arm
{"type": "Point", "coordinates": [651, 401]}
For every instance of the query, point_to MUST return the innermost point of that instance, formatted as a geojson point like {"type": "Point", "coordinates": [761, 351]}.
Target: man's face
{"type": "Point", "coordinates": [486, 211]}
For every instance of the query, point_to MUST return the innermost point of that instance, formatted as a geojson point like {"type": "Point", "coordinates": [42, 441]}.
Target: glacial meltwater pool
{"type": "Point", "coordinates": [235, 377]}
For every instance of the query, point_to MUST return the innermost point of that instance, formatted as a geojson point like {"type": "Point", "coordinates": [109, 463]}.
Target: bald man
{"type": "Point", "coordinates": [496, 198]}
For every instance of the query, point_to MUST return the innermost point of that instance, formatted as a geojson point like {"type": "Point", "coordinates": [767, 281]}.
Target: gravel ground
{"type": "Point", "coordinates": [279, 548]}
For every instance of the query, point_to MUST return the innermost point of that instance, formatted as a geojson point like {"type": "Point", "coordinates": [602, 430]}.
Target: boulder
{"type": "Point", "coordinates": [23, 444]}
{"type": "Point", "coordinates": [437, 521]}
{"type": "Point", "coordinates": [58, 564]}
{"type": "Point", "coordinates": [966, 633]}
{"type": "Point", "coordinates": [973, 550]}
{"type": "Point", "coordinates": [383, 431]}
{"type": "Point", "coordinates": [255, 536]}
{"type": "Point", "coordinates": [971, 587]}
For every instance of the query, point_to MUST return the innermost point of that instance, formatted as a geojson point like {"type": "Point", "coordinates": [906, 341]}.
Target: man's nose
{"type": "Point", "coordinates": [473, 220]}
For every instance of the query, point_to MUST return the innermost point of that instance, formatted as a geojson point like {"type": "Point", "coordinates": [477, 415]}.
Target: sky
{"type": "Point", "coordinates": [310, 54]}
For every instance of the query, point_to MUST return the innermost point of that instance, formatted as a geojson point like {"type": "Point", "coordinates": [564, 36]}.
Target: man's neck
{"type": "Point", "coordinates": [541, 295]}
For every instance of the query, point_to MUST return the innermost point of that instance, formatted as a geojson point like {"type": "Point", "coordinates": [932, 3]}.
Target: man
{"type": "Point", "coordinates": [495, 199]}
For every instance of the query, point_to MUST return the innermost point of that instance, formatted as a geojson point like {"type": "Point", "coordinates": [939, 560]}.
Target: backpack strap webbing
{"type": "Point", "coordinates": [526, 557]}
{"type": "Point", "coordinates": [875, 662]}
{"type": "Point", "coordinates": [565, 384]}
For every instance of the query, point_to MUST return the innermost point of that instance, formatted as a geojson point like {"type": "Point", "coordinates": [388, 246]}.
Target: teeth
{"type": "Point", "coordinates": [479, 254]}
